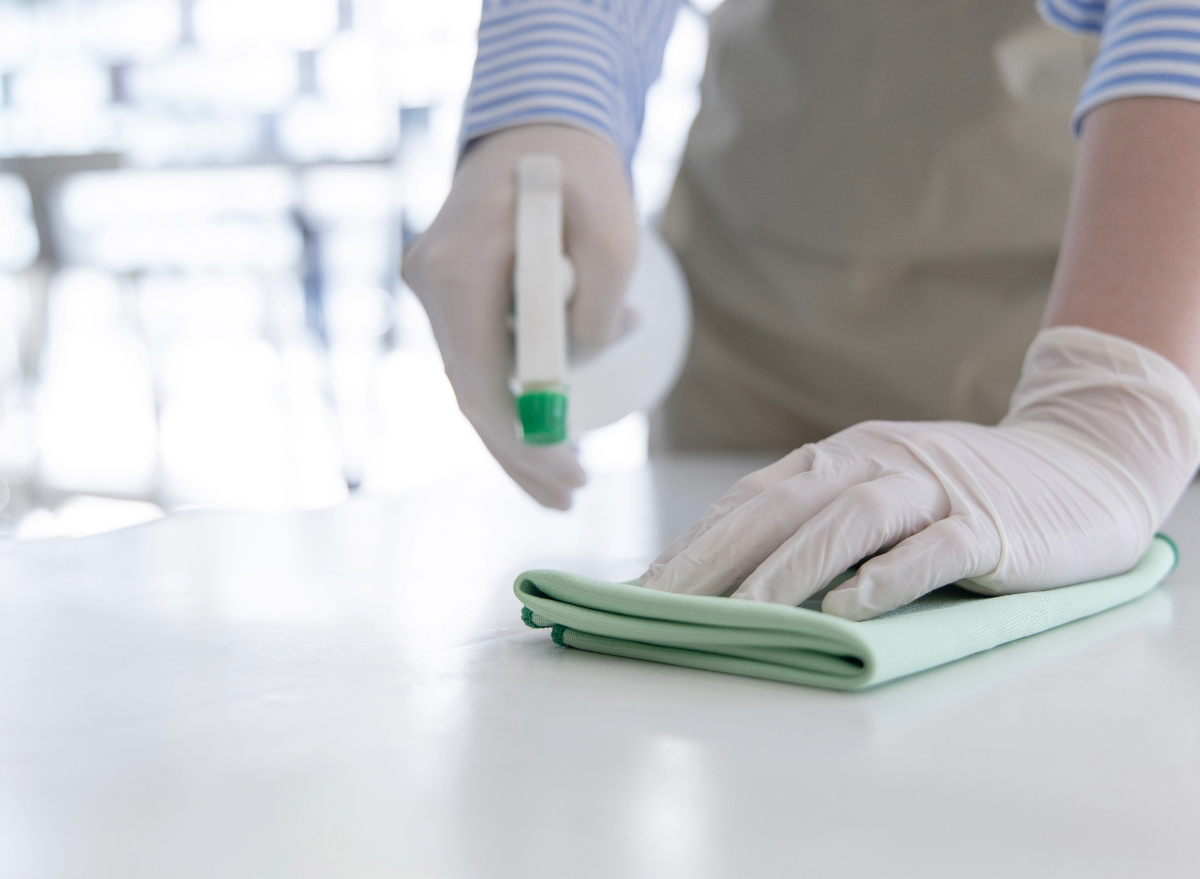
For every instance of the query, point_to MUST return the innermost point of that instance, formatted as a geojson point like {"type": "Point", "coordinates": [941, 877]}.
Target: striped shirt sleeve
{"type": "Point", "coordinates": [586, 63]}
{"type": "Point", "coordinates": [1147, 47]}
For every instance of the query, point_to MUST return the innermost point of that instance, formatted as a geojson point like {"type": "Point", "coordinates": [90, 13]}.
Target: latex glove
{"type": "Point", "coordinates": [1101, 439]}
{"type": "Point", "coordinates": [461, 269]}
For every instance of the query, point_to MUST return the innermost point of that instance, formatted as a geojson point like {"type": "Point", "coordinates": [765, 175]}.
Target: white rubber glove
{"type": "Point", "coordinates": [461, 269]}
{"type": "Point", "coordinates": [1101, 440]}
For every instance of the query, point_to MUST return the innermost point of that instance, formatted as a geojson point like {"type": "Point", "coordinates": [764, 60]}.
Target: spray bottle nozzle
{"type": "Point", "coordinates": [543, 416]}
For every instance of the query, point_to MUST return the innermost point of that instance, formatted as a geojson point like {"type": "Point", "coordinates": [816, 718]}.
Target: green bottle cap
{"type": "Point", "coordinates": [543, 417]}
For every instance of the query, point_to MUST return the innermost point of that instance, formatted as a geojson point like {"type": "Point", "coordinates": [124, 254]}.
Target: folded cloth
{"type": "Point", "coordinates": [801, 645]}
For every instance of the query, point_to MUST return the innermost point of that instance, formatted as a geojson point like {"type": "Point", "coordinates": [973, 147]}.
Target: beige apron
{"type": "Point", "coordinates": [868, 211]}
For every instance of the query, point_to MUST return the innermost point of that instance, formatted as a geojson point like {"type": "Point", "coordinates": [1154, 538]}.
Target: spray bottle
{"type": "Point", "coordinates": [558, 397]}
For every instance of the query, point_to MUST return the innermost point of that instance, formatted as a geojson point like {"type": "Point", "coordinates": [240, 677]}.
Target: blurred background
{"type": "Point", "coordinates": [203, 207]}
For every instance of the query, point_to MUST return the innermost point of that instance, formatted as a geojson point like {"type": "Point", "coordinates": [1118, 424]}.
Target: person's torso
{"type": "Point", "coordinates": [887, 130]}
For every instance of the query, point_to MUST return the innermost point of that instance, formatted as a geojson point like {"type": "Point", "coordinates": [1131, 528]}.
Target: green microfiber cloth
{"type": "Point", "coordinates": [801, 645]}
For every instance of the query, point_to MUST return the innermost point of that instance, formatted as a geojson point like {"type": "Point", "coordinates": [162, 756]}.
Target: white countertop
{"type": "Point", "coordinates": [351, 693]}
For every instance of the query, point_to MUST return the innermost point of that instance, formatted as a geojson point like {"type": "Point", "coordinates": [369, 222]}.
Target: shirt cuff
{"type": "Point", "coordinates": [1080, 16]}
{"type": "Point", "coordinates": [549, 62]}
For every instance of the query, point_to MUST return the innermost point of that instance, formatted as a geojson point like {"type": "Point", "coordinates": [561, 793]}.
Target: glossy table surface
{"type": "Point", "coordinates": [350, 693]}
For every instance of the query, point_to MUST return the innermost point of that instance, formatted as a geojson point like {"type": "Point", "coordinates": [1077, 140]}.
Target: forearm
{"type": "Point", "coordinates": [1130, 259]}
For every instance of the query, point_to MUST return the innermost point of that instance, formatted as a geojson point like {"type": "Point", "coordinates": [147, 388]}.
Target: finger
{"type": "Point", "coordinates": [739, 543]}
{"type": "Point", "coordinates": [554, 494]}
{"type": "Point", "coordinates": [547, 473]}
{"type": "Point", "coordinates": [748, 487]}
{"type": "Point", "coordinates": [627, 322]}
{"type": "Point", "coordinates": [946, 551]}
{"type": "Point", "coordinates": [551, 479]}
{"type": "Point", "coordinates": [863, 520]}
{"type": "Point", "coordinates": [604, 262]}
{"type": "Point", "coordinates": [600, 229]}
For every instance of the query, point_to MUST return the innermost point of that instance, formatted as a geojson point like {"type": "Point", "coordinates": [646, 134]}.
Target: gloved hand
{"type": "Point", "coordinates": [461, 269]}
{"type": "Point", "coordinates": [1102, 438]}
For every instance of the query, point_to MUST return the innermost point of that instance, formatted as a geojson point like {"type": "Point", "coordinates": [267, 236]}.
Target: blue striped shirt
{"type": "Point", "coordinates": [586, 63]}
{"type": "Point", "coordinates": [589, 63]}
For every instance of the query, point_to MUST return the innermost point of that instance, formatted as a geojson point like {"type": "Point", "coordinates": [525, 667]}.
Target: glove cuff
{"type": "Point", "coordinates": [1123, 400]}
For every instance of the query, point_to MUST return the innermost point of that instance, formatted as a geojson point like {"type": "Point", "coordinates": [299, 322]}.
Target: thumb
{"type": "Point", "coordinates": [604, 262]}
